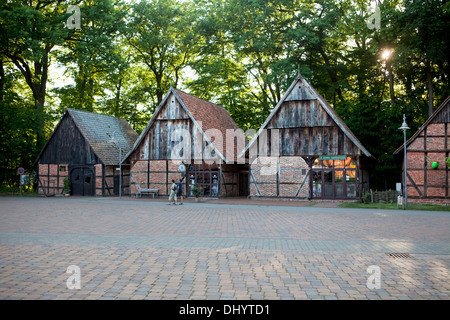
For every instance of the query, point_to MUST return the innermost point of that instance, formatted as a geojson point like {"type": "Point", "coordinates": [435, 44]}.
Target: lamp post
{"type": "Point", "coordinates": [120, 162]}
{"type": "Point", "coordinates": [405, 127]}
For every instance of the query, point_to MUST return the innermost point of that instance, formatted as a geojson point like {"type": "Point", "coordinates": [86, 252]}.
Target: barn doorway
{"type": "Point", "coordinates": [243, 184]}
{"type": "Point", "coordinates": [82, 180]}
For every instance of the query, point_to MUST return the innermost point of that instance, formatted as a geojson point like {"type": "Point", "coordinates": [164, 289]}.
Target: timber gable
{"type": "Point", "coordinates": [307, 126]}
{"type": "Point", "coordinates": [305, 150]}
{"type": "Point", "coordinates": [84, 148]}
{"type": "Point", "coordinates": [181, 111]}
{"type": "Point", "coordinates": [189, 131]}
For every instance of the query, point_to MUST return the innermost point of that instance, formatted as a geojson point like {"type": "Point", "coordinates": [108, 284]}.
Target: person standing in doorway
{"type": "Point", "coordinates": [180, 191]}
{"type": "Point", "coordinates": [173, 193]}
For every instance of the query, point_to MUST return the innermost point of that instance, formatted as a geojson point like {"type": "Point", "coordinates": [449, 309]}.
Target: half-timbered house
{"type": "Point", "coordinates": [192, 139]}
{"type": "Point", "coordinates": [85, 148]}
{"type": "Point", "coordinates": [304, 150]}
{"type": "Point", "coordinates": [428, 175]}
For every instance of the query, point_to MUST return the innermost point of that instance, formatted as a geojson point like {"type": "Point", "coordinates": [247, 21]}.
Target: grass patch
{"type": "Point", "coordinates": [393, 206]}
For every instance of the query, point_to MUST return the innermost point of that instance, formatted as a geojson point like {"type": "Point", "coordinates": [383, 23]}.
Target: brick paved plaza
{"type": "Point", "coordinates": [145, 249]}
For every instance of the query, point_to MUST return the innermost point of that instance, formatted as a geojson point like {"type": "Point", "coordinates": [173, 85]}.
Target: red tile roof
{"type": "Point", "coordinates": [211, 116]}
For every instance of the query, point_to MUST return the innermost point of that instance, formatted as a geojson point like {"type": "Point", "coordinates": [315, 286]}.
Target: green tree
{"type": "Point", "coordinates": [160, 34]}
{"type": "Point", "coordinates": [219, 74]}
{"type": "Point", "coordinates": [29, 31]}
{"type": "Point", "coordinates": [92, 55]}
{"type": "Point", "coordinates": [17, 118]}
{"type": "Point", "coordinates": [426, 40]}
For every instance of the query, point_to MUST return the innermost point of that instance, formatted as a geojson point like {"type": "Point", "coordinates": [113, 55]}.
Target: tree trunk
{"type": "Point", "coordinates": [2, 80]}
{"type": "Point", "coordinates": [117, 99]}
{"type": "Point", "coordinates": [391, 84]}
{"type": "Point", "coordinates": [159, 89]}
{"type": "Point", "coordinates": [331, 73]}
{"type": "Point", "coordinates": [41, 76]}
{"type": "Point", "coordinates": [429, 88]}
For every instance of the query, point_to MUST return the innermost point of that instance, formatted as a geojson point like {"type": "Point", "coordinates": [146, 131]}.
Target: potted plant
{"type": "Point", "coordinates": [196, 191]}
{"type": "Point", "coordinates": [447, 160]}
{"type": "Point", "coordinates": [66, 188]}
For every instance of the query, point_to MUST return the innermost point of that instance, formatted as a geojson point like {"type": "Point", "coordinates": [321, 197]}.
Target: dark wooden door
{"type": "Point", "coordinates": [82, 180]}
{"type": "Point", "coordinates": [333, 184]}
{"type": "Point", "coordinates": [243, 184]}
{"type": "Point", "coordinates": [116, 185]}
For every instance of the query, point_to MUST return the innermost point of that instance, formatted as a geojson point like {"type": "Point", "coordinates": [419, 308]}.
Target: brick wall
{"type": "Point", "coordinates": [51, 178]}
{"type": "Point", "coordinates": [279, 177]}
{"type": "Point", "coordinates": [436, 129]}
{"type": "Point", "coordinates": [429, 185]}
{"type": "Point", "coordinates": [109, 179]}
{"type": "Point", "coordinates": [159, 177]}
{"type": "Point", "coordinates": [163, 171]}
{"type": "Point", "coordinates": [98, 179]}
{"type": "Point", "coordinates": [126, 180]}
{"type": "Point", "coordinates": [430, 201]}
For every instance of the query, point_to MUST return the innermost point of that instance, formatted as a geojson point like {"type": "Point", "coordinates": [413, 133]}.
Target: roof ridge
{"type": "Point", "coordinates": [95, 113]}
{"type": "Point", "coordinates": [191, 95]}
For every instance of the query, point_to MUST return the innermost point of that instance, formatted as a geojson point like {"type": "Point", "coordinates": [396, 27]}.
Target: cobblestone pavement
{"type": "Point", "coordinates": [145, 249]}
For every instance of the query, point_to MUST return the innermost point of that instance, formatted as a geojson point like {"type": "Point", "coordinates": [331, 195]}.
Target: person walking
{"type": "Point", "coordinates": [180, 191]}
{"type": "Point", "coordinates": [173, 193]}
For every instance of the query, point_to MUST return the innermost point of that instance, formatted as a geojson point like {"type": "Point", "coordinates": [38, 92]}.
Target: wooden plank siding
{"type": "Point", "coordinates": [161, 139]}
{"type": "Point", "coordinates": [81, 141]}
{"type": "Point", "coordinates": [305, 129]}
{"type": "Point", "coordinates": [301, 128]}
{"type": "Point", "coordinates": [68, 146]}
{"type": "Point", "coordinates": [173, 137]}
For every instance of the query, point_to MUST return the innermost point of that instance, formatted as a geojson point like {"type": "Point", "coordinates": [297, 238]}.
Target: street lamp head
{"type": "Point", "coordinates": [404, 126]}
{"type": "Point", "coordinates": [386, 54]}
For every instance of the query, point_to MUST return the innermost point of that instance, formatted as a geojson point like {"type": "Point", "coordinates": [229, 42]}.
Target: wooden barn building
{"type": "Point", "coordinates": [430, 144]}
{"type": "Point", "coordinates": [84, 147]}
{"type": "Point", "coordinates": [187, 138]}
{"type": "Point", "coordinates": [305, 151]}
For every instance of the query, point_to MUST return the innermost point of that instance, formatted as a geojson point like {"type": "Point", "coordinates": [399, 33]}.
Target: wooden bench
{"type": "Point", "coordinates": [153, 192]}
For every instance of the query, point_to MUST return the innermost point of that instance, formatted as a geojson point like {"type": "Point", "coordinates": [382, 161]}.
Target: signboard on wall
{"type": "Point", "coordinates": [340, 157]}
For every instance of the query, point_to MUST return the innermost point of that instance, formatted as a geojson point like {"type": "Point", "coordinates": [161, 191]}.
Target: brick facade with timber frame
{"type": "Point", "coordinates": [431, 143]}
{"type": "Point", "coordinates": [192, 132]}
{"type": "Point", "coordinates": [304, 150]}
